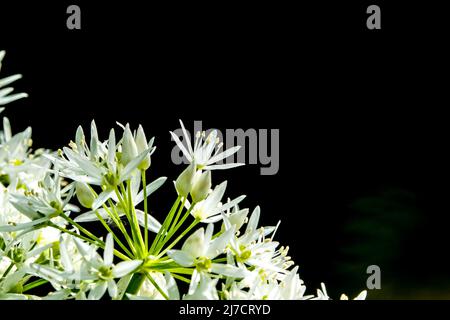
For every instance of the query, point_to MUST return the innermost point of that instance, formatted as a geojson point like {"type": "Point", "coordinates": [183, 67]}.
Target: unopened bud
{"type": "Point", "coordinates": [141, 144]}
{"type": "Point", "coordinates": [185, 180]}
{"type": "Point", "coordinates": [201, 187]}
{"type": "Point", "coordinates": [129, 148]}
{"type": "Point", "coordinates": [84, 194]}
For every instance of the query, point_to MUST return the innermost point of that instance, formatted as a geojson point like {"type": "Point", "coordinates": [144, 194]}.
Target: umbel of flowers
{"type": "Point", "coordinates": [207, 241]}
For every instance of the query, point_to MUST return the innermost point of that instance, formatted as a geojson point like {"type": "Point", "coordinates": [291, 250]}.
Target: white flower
{"type": "Point", "coordinates": [203, 288]}
{"type": "Point", "coordinates": [134, 144]}
{"type": "Point", "coordinates": [74, 268]}
{"type": "Point", "coordinates": [209, 210]}
{"type": "Point", "coordinates": [254, 249]}
{"type": "Point", "coordinates": [98, 164]}
{"type": "Point", "coordinates": [104, 270]}
{"type": "Point", "coordinates": [5, 93]}
{"type": "Point", "coordinates": [18, 166]}
{"type": "Point", "coordinates": [240, 261]}
{"type": "Point", "coordinates": [202, 152]}
{"type": "Point", "coordinates": [42, 204]}
{"type": "Point", "coordinates": [292, 287]}
{"type": "Point", "coordinates": [199, 250]}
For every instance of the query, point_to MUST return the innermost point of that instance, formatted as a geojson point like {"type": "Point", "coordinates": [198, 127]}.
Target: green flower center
{"type": "Point", "coordinates": [17, 255]}
{"type": "Point", "coordinates": [105, 273]}
{"type": "Point", "coordinates": [203, 264]}
{"type": "Point", "coordinates": [245, 254]}
{"type": "Point", "coordinates": [109, 179]}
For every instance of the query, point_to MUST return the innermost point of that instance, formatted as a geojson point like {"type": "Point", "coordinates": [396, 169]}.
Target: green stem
{"type": "Point", "coordinates": [86, 232]}
{"type": "Point", "coordinates": [181, 270]}
{"type": "Point", "coordinates": [176, 276]}
{"type": "Point", "coordinates": [193, 224]}
{"type": "Point", "coordinates": [135, 284]}
{"type": "Point", "coordinates": [157, 286]}
{"type": "Point", "coordinates": [34, 284]}
{"type": "Point", "coordinates": [121, 200]}
{"type": "Point", "coordinates": [180, 210]}
{"type": "Point", "coordinates": [99, 243]}
{"type": "Point", "coordinates": [144, 184]}
{"type": "Point", "coordinates": [172, 232]}
{"type": "Point", "coordinates": [11, 265]}
{"type": "Point", "coordinates": [164, 225]}
{"type": "Point", "coordinates": [120, 225]}
{"type": "Point", "coordinates": [135, 221]}
{"type": "Point", "coordinates": [126, 208]}
{"type": "Point", "coordinates": [105, 225]}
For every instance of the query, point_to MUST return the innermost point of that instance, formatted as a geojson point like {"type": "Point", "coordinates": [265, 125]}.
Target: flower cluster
{"type": "Point", "coordinates": [207, 246]}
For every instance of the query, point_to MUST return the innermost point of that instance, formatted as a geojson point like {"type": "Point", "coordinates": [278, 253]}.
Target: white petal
{"type": "Point", "coordinates": [186, 137]}
{"type": "Point", "coordinates": [181, 257]}
{"type": "Point", "coordinates": [91, 216]}
{"type": "Point", "coordinates": [65, 258]}
{"type": "Point", "coordinates": [152, 224]}
{"type": "Point", "coordinates": [112, 289]}
{"type": "Point", "coordinates": [228, 205]}
{"type": "Point", "coordinates": [84, 164]}
{"type": "Point", "coordinates": [209, 233]}
{"type": "Point", "coordinates": [112, 150]}
{"type": "Point", "coordinates": [181, 146]}
{"type": "Point", "coordinates": [224, 154]}
{"type": "Point", "coordinates": [214, 197]}
{"type": "Point", "coordinates": [108, 255]}
{"type": "Point", "coordinates": [195, 245]}
{"type": "Point", "coordinates": [132, 165]}
{"type": "Point", "coordinates": [152, 187]}
{"type": "Point", "coordinates": [218, 245]}
{"type": "Point", "coordinates": [98, 291]}
{"type": "Point", "coordinates": [6, 81]}
{"type": "Point", "coordinates": [122, 285]}
{"type": "Point", "coordinates": [125, 267]}
{"type": "Point", "coordinates": [212, 219]}
{"type": "Point", "coordinates": [228, 270]}
{"type": "Point", "coordinates": [172, 288]}
{"type": "Point", "coordinates": [102, 198]}
{"type": "Point", "coordinates": [47, 273]}
{"type": "Point", "coordinates": [195, 279]}
{"type": "Point", "coordinates": [223, 166]}
{"type": "Point", "coordinates": [22, 226]}
{"type": "Point", "coordinates": [253, 221]}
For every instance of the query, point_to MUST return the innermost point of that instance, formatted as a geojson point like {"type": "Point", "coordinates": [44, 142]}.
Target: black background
{"type": "Point", "coordinates": [362, 115]}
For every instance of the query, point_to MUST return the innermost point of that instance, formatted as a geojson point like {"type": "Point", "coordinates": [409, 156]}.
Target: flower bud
{"type": "Point", "coordinates": [129, 148]}
{"type": "Point", "coordinates": [185, 180]}
{"type": "Point", "coordinates": [141, 144]}
{"type": "Point", "coordinates": [201, 186]}
{"type": "Point", "coordinates": [84, 194]}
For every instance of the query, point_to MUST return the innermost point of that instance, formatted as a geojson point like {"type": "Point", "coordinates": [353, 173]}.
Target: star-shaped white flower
{"type": "Point", "coordinates": [206, 150]}
{"type": "Point", "coordinates": [200, 249]}
{"type": "Point", "coordinates": [103, 269]}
